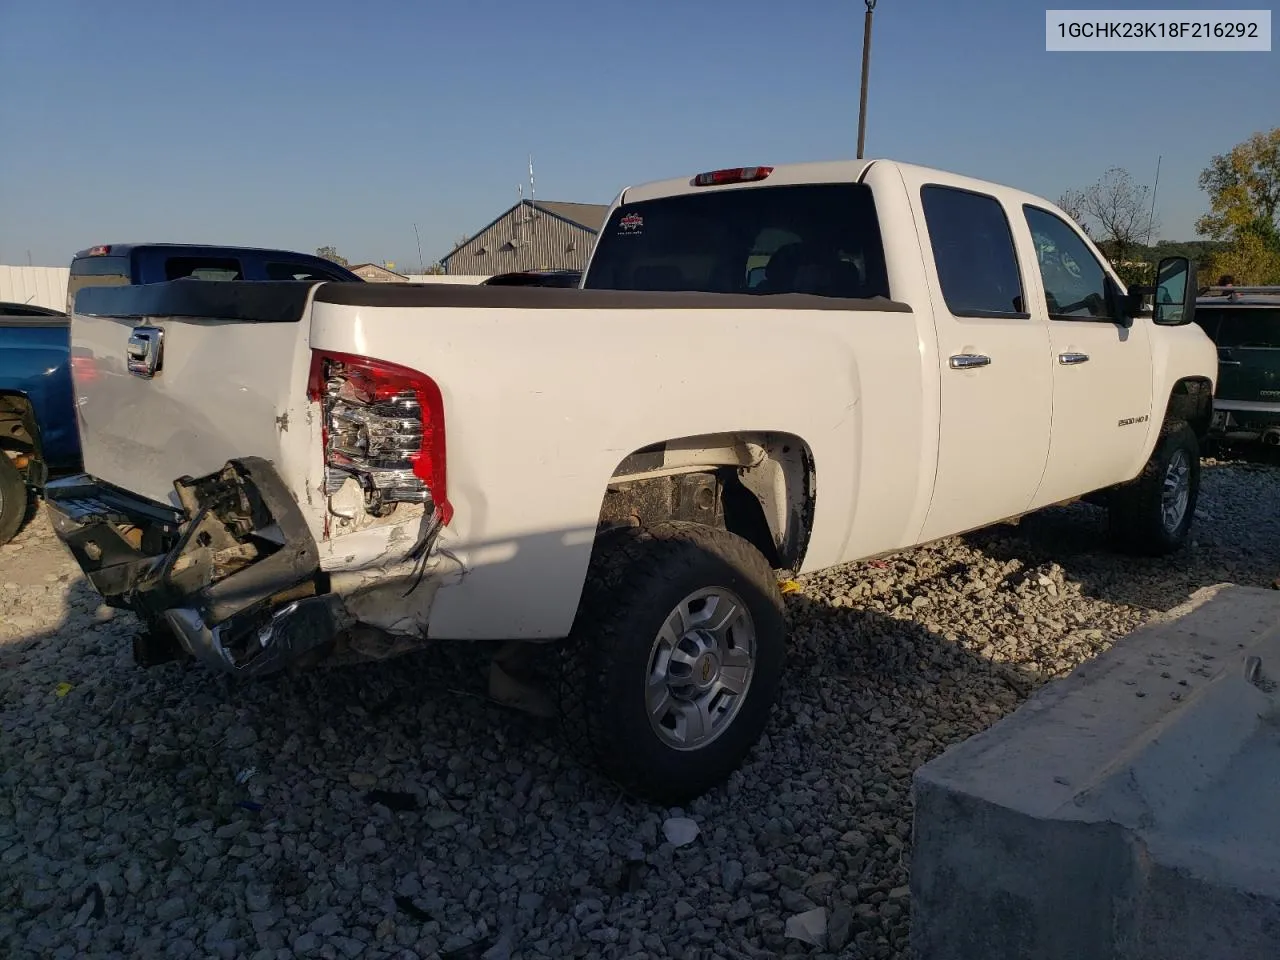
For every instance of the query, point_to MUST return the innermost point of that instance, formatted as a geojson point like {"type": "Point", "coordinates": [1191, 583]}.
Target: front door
{"type": "Point", "coordinates": [1102, 395]}
{"type": "Point", "coordinates": [993, 361]}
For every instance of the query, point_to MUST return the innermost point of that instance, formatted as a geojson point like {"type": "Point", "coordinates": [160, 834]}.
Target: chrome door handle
{"type": "Point", "coordinates": [1228, 363]}
{"type": "Point", "coordinates": [1071, 358]}
{"type": "Point", "coordinates": [966, 361]}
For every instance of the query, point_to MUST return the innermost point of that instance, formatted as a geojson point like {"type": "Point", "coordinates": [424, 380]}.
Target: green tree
{"type": "Point", "coordinates": [1249, 260]}
{"type": "Point", "coordinates": [1244, 190]}
{"type": "Point", "coordinates": [331, 253]}
{"type": "Point", "coordinates": [1244, 209]}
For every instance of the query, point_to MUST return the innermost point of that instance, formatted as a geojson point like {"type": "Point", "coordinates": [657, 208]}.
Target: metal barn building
{"type": "Point", "coordinates": [532, 235]}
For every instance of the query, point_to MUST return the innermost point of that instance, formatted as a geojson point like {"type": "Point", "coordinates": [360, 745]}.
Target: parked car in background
{"type": "Point", "coordinates": [1244, 324]}
{"type": "Point", "coordinates": [38, 434]}
{"type": "Point", "coordinates": [120, 264]}
{"type": "Point", "coordinates": [628, 466]}
{"type": "Point", "coordinates": [536, 278]}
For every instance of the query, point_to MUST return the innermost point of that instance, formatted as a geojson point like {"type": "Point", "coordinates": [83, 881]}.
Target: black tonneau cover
{"type": "Point", "coordinates": [245, 301]}
{"type": "Point", "coordinates": [559, 298]}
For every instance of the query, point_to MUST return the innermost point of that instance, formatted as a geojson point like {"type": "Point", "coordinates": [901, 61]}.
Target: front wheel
{"type": "Point", "coordinates": [677, 655]}
{"type": "Point", "coordinates": [14, 500]}
{"type": "Point", "coordinates": [1153, 514]}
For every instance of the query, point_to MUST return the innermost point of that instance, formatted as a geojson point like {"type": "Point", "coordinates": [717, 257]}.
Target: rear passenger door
{"type": "Point", "coordinates": [993, 362]}
{"type": "Point", "coordinates": [1102, 400]}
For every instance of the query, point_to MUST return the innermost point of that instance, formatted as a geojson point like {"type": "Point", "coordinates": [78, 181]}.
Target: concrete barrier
{"type": "Point", "coordinates": [1130, 811]}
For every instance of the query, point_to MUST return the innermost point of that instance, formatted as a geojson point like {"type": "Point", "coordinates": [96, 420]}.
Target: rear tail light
{"type": "Point", "coordinates": [383, 425]}
{"type": "Point", "coordinates": [735, 175]}
{"type": "Point", "coordinates": [83, 369]}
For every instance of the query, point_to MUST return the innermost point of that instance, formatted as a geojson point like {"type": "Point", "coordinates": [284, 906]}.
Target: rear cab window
{"type": "Point", "coordinates": [974, 253]}
{"type": "Point", "coordinates": [203, 268]}
{"type": "Point", "coordinates": [817, 239]}
{"type": "Point", "coordinates": [96, 272]}
{"type": "Point", "coordinates": [1241, 328]}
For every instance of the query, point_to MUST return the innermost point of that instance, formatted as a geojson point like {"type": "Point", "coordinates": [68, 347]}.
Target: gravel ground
{"type": "Point", "coordinates": [391, 811]}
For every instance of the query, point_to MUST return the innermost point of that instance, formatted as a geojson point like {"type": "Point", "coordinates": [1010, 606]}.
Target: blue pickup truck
{"type": "Point", "coordinates": [39, 432]}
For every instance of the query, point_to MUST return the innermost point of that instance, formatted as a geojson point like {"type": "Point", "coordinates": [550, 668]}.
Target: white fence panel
{"type": "Point", "coordinates": [37, 286]}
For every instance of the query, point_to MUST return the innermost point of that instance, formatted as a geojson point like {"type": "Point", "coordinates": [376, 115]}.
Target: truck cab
{"type": "Point", "coordinates": [121, 264]}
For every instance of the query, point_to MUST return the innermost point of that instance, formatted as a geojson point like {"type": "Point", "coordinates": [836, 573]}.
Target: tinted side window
{"type": "Point", "coordinates": [1246, 327]}
{"type": "Point", "coordinates": [298, 271]}
{"type": "Point", "coordinates": [818, 239]}
{"type": "Point", "coordinates": [203, 268]}
{"type": "Point", "coordinates": [973, 248]}
{"type": "Point", "coordinates": [1075, 284]}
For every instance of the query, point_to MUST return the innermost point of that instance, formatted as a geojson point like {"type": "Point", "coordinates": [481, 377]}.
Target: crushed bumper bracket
{"type": "Point", "coordinates": [234, 573]}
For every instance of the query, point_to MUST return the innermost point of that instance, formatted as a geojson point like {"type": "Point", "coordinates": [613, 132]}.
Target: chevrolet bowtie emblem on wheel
{"type": "Point", "coordinates": [146, 345]}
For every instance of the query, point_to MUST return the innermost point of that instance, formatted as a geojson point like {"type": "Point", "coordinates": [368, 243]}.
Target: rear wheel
{"type": "Point", "coordinates": [676, 658]}
{"type": "Point", "coordinates": [1153, 514]}
{"type": "Point", "coordinates": [14, 499]}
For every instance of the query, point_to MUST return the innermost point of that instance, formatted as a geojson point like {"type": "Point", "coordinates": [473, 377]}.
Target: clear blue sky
{"type": "Point", "coordinates": [299, 124]}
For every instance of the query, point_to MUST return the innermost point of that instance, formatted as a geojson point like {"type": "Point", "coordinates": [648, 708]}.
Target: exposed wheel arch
{"type": "Point", "coordinates": [1191, 401]}
{"type": "Point", "coordinates": [760, 485]}
{"type": "Point", "coordinates": [18, 429]}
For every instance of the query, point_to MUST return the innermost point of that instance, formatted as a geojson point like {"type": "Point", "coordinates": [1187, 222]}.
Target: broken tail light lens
{"type": "Point", "coordinates": [383, 424]}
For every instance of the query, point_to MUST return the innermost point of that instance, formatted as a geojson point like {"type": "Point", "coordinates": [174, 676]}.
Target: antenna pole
{"type": "Point", "coordinates": [866, 68]}
{"type": "Point", "coordinates": [1152, 216]}
{"type": "Point", "coordinates": [422, 267]}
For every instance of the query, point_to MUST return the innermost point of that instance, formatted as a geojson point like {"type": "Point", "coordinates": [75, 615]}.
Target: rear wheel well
{"type": "Point", "coordinates": [18, 430]}
{"type": "Point", "coordinates": [758, 485]}
{"type": "Point", "coordinates": [1191, 400]}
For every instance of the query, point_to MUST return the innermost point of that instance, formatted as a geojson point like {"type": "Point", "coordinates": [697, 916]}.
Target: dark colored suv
{"type": "Point", "coordinates": [122, 264]}
{"type": "Point", "coordinates": [1244, 322]}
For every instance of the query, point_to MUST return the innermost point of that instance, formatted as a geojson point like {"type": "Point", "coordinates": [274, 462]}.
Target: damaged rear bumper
{"type": "Point", "coordinates": [235, 574]}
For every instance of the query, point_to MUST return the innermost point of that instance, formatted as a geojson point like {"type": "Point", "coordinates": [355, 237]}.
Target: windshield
{"type": "Point", "coordinates": [1241, 327]}
{"type": "Point", "coordinates": [820, 239]}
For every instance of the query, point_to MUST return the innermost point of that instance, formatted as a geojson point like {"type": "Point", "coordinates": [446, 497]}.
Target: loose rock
{"type": "Point", "coordinates": [129, 778]}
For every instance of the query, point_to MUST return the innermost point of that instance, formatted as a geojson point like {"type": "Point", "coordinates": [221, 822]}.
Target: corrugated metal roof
{"type": "Point", "coordinates": [41, 286]}
{"type": "Point", "coordinates": [589, 215]}
{"type": "Point", "coordinates": [525, 238]}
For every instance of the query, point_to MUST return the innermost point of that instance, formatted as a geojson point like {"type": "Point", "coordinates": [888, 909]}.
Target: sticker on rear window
{"type": "Point", "coordinates": [631, 223]}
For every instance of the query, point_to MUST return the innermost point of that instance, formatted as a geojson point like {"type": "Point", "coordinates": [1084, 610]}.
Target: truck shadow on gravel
{"type": "Point", "coordinates": [392, 803]}
{"type": "Point", "coordinates": [1235, 539]}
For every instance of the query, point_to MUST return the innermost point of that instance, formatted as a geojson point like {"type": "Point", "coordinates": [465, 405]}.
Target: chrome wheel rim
{"type": "Point", "coordinates": [1176, 492]}
{"type": "Point", "coordinates": [700, 668]}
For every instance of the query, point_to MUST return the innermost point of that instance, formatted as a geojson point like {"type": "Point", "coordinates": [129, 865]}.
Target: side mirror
{"type": "Point", "coordinates": [1175, 292]}
{"type": "Point", "coordinates": [1173, 296]}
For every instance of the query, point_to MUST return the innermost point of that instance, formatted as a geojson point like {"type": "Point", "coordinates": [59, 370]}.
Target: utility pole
{"type": "Point", "coordinates": [866, 66]}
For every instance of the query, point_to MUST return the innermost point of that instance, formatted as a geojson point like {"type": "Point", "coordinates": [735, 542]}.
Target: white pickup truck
{"type": "Point", "coordinates": [766, 369]}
